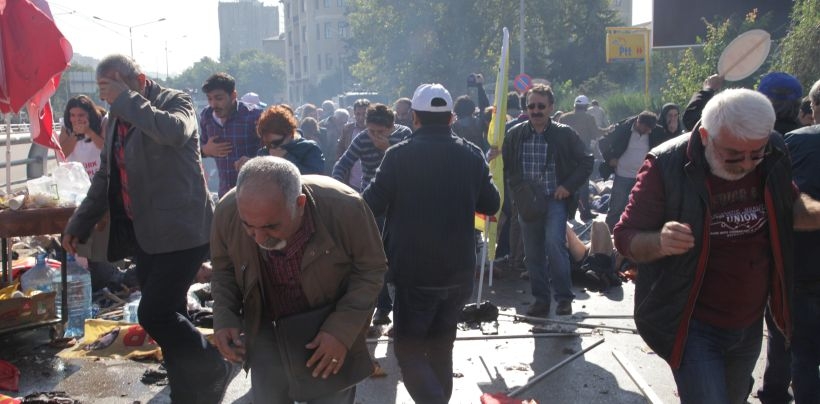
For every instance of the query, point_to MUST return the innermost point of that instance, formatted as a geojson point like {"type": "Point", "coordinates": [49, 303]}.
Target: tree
{"type": "Point", "coordinates": [253, 70]}
{"type": "Point", "coordinates": [400, 44]}
{"type": "Point", "coordinates": [799, 53]}
{"type": "Point", "coordinates": [696, 64]}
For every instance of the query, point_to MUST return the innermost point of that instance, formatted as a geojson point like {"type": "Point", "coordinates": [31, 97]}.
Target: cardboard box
{"type": "Point", "coordinates": [27, 310]}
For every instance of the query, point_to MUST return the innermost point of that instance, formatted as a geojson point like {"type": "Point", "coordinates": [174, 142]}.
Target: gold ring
{"type": "Point", "coordinates": [334, 360]}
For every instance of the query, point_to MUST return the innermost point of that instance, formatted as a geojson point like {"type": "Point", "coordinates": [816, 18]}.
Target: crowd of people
{"type": "Point", "coordinates": [325, 215]}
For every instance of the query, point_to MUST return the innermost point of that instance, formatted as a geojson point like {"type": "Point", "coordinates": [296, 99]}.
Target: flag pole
{"type": "Point", "coordinates": [8, 153]}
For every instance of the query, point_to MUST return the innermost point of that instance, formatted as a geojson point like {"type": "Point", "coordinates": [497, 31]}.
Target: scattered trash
{"type": "Point", "coordinates": [9, 376]}
{"type": "Point", "coordinates": [51, 397]}
{"type": "Point", "coordinates": [157, 377]}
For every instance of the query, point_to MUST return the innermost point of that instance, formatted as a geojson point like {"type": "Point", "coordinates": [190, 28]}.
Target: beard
{"type": "Point", "coordinates": [273, 244]}
{"type": "Point", "coordinates": [718, 168]}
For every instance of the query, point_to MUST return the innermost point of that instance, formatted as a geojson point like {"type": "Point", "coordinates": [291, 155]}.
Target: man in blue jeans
{"type": "Point", "coordinates": [552, 155]}
{"type": "Point", "coordinates": [804, 148]}
{"type": "Point", "coordinates": [429, 187]}
{"type": "Point", "coordinates": [710, 223]}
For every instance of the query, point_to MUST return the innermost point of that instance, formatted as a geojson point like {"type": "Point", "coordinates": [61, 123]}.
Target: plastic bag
{"type": "Point", "coordinates": [72, 183]}
{"type": "Point", "coordinates": [42, 193]}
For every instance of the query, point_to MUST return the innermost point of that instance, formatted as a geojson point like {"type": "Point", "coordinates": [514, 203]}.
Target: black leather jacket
{"type": "Point", "coordinates": [572, 163]}
{"type": "Point", "coordinates": [666, 289]}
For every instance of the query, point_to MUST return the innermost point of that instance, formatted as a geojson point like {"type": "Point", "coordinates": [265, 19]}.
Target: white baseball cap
{"type": "Point", "coordinates": [581, 100]}
{"type": "Point", "coordinates": [253, 100]}
{"type": "Point", "coordinates": [432, 98]}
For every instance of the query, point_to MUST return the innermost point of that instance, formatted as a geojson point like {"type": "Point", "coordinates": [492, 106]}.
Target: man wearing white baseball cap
{"type": "Point", "coordinates": [428, 187]}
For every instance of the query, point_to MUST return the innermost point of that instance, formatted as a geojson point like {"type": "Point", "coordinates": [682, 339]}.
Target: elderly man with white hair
{"type": "Point", "coordinates": [710, 223]}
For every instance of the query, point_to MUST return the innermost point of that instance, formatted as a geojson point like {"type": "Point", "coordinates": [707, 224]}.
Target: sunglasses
{"type": "Point", "coordinates": [736, 157]}
{"type": "Point", "coordinates": [534, 105]}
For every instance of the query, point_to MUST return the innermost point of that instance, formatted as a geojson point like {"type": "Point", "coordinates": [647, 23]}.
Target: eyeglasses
{"type": "Point", "coordinates": [736, 157]}
{"type": "Point", "coordinates": [534, 105]}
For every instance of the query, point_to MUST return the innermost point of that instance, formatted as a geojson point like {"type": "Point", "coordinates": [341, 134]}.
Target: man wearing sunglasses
{"type": "Point", "coordinates": [710, 223]}
{"type": "Point", "coordinates": [551, 156]}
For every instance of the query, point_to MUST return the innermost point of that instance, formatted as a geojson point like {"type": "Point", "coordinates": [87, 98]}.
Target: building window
{"type": "Point", "coordinates": [304, 64]}
{"type": "Point", "coordinates": [287, 11]}
{"type": "Point", "coordinates": [316, 4]}
{"type": "Point", "coordinates": [328, 62]}
{"type": "Point", "coordinates": [342, 29]}
{"type": "Point", "coordinates": [318, 63]}
{"type": "Point", "coordinates": [318, 33]}
{"type": "Point", "coordinates": [328, 30]}
{"type": "Point", "coordinates": [328, 3]}
{"type": "Point", "coordinates": [290, 39]}
{"type": "Point", "coordinates": [304, 33]}
{"type": "Point", "coordinates": [341, 3]}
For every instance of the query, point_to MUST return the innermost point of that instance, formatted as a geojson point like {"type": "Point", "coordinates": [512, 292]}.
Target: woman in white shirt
{"type": "Point", "coordinates": [81, 137]}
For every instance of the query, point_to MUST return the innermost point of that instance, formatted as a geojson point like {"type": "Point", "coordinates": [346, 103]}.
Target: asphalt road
{"type": "Point", "coordinates": [480, 365]}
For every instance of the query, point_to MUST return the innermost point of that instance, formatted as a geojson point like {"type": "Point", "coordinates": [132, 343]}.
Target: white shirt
{"type": "Point", "coordinates": [87, 154]}
{"type": "Point", "coordinates": [631, 161]}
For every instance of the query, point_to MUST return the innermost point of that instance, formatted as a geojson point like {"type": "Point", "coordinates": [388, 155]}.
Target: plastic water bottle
{"type": "Point", "coordinates": [79, 297]}
{"type": "Point", "coordinates": [38, 277]}
{"type": "Point", "coordinates": [129, 311]}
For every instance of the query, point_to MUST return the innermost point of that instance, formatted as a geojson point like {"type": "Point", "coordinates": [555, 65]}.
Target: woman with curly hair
{"type": "Point", "coordinates": [81, 137]}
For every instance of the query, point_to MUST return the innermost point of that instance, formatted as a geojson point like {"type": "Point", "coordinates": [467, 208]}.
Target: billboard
{"type": "Point", "coordinates": [680, 22]}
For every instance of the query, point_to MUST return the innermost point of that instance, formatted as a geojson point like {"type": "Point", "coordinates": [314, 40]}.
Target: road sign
{"type": "Point", "coordinates": [522, 82]}
{"type": "Point", "coordinates": [626, 44]}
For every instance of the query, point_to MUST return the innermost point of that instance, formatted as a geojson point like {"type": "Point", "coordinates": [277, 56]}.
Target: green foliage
{"type": "Point", "coordinates": [398, 45]}
{"type": "Point", "coordinates": [624, 105]}
{"type": "Point", "coordinates": [695, 65]}
{"type": "Point", "coordinates": [253, 70]}
{"type": "Point", "coordinates": [799, 53]}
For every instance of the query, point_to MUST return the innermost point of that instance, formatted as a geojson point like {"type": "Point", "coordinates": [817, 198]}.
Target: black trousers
{"type": "Point", "coordinates": [164, 280]}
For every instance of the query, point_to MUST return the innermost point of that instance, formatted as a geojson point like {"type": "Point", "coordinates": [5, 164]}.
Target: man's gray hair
{"type": "Point", "coordinates": [261, 173]}
{"type": "Point", "coordinates": [746, 114]}
{"type": "Point", "coordinates": [124, 65]}
{"type": "Point", "coordinates": [341, 112]}
{"type": "Point", "coordinates": [814, 93]}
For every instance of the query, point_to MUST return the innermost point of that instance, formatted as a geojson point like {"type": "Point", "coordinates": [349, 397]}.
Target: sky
{"type": "Point", "coordinates": [189, 32]}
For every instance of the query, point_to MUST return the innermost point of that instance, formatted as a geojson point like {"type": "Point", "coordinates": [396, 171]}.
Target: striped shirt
{"type": "Point", "coordinates": [362, 149]}
{"type": "Point", "coordinates": [534, 154]}
{"type": "Point", "coordinates": [240, 131]}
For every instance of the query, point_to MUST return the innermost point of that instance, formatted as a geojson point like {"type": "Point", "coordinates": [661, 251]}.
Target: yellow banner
{"type": "Point", "coordinates": [621, 45]}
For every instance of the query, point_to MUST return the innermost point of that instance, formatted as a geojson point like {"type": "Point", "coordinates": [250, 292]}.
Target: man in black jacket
{"type": "Point", "coordinates": [623, 151]}
{"type": "Point", "coordinates": [551, 156]}
{"type": "Point", "coordinates": [429, 187]}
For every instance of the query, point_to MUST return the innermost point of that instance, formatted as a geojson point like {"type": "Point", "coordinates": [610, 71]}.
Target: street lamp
{"type": "Point", "coordinates": [130, 28]}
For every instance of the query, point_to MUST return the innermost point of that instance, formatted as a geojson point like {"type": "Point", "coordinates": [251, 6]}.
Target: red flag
{"type": "Point", "coordinates": [33, 55]}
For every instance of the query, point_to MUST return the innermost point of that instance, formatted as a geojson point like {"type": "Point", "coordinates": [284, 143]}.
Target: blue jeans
{"type": "Point", "coordinates": [806, 346]}
{"type": "Point", "coordinates": [778, 375]}
{"type": "Point", "coordinates": [545, 253]}
{"type": "Point", "coordinates": [425, 326]}
{"type": "Point", "coordinates": [618, 199]}
{"type": "Point", "coordinates": [717, 363]}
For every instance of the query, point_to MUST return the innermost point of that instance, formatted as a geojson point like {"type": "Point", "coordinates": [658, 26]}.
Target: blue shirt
{"type": "Point", "coordinates": [239, 129]}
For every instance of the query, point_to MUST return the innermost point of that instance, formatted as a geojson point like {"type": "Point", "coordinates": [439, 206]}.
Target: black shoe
{"type": "Point", "coordinates": [214, 393]}
{"type": "Point", "coordinates": [381, 317]}
{"type": "Point", "coordinates": [538, 309]}
{"type": "Point", "coordinates": [564, 308]}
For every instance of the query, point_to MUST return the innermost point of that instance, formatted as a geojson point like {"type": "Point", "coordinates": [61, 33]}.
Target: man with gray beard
{"type": "Point", "coordinates": [710, 213]}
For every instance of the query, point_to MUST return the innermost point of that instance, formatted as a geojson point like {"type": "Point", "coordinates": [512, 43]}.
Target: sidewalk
{"type": "Point", "coordinates": [483, 365]}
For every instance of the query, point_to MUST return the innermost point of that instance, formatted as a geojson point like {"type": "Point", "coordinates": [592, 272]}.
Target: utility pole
{"type": "Point", "coordinates": [521, 36]}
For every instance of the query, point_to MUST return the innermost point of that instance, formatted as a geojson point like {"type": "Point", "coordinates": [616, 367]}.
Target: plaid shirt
{"type": "Point", "coordinates": [281, 275]}
{"type": "Point", "coordinates": [119, 148]}
{"type": "Point", "coordinates": [534, 155]}
{"type": "Point", "coordinates": [239, 130]}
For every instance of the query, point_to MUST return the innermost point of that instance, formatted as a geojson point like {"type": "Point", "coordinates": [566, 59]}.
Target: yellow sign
{"type": "Point", "coordinates": [626, 45]}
